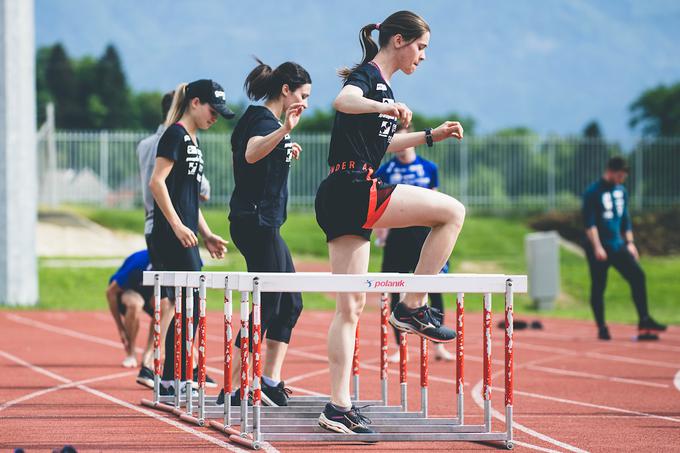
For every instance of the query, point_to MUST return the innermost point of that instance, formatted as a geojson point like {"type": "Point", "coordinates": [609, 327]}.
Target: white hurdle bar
{"type": "Point", "coordinates": [245, 283]}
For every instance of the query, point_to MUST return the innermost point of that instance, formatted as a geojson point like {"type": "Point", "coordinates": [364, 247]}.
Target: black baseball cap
{"type": "Point", "coordinates": [618, 163]}
{"type": "Point", "coordinates": [211, 92]}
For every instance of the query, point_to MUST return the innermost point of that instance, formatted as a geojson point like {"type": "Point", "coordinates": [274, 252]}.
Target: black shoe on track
{"type": "Point", "coordinates": [603, 333]}
{"type": "Point", "coordinates": [424, 321]}
{"type": "Point", "coordinates": [648, 324]}
{"type": "Point", "coordinates": [276, 395]}
{"type": "Point", "coordinates": [170, 391]}
{"type": "Point", "coordinates": [351, 422]}
{"type": "Point", "coordinates": [235, 399]}
{"type": "Point", "coordinates": [145, 377]}
{"type": "Point", "coordinates": [209, 382]}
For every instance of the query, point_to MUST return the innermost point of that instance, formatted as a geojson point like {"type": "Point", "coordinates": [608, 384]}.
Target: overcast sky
{"type": "Point", "coordinates": [549, 65]}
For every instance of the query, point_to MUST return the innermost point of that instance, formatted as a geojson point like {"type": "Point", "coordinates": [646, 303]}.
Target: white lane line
{"type": "Point", "coordinates": [477, 397]}
{"type": "Point", "coordinates": [67, 332]}
{"type": "Point", "coordinates": [676, 380]}
{"type": "Point", "coordinates": [125, 404]}
{"type": "Point", "coordinates": [62, 386]}
{"type": "Point", "coordinates": [534, 447]}
{"type": "Point", "coordinates": [601, 377]}
{"type": "Point", "coordinates": [596, 406]}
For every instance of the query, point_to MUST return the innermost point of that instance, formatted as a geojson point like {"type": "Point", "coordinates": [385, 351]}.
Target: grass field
{"type": "Point", "coordinates": [487, 244]}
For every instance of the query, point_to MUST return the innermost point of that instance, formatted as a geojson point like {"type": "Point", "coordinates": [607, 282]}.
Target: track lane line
{"type": "Point", "coordinates": [122, 403]}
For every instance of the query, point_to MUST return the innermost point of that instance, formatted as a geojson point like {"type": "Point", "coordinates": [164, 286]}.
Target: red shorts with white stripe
{"type": "Point", "coordinates": [349, 201]}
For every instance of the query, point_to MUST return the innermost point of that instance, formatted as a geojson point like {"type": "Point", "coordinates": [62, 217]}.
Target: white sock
{"type": "Point", "coordinates": [269, 381]}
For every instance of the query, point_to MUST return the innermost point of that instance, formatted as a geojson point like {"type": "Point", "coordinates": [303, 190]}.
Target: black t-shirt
{"type": "Point", "coordinates": [183, 182]}
{"type": "Point", "coordinates": [364, 137]}
{"type": "Point", "coordinates": [261, 188]}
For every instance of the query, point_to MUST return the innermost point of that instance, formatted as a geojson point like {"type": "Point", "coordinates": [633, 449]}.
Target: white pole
{"type": "Point", "coordinates": [18, 168]}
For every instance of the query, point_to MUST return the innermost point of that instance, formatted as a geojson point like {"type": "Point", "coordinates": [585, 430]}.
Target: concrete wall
{"type": "Point", "coordinates": [18, 169]}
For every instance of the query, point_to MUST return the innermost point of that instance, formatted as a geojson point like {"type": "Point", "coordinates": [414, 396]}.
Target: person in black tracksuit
{"type": "Point", "coordinates": [609, 233]}
{"type": "Point", "coordinates": [262, 155]}
{"type": "Point", "coordinates": [175, 185]}
{"type": "Point", "coordinates": [351, 201]}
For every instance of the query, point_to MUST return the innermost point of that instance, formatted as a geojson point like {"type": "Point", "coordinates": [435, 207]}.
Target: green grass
{"type": "Point", "coordinates": [487, 244]}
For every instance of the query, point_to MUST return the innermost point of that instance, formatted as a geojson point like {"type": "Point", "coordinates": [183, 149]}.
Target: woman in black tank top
{"type": "Point", "coordinates": [350, 202]}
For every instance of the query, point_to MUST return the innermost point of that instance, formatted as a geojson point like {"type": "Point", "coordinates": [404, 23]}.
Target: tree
{"type": "Point", "coordinates": [61, 82]}
{"type": "Point", "coordinates": [111, 87]}
{"type": "Point", "coordinates": [657, 111]}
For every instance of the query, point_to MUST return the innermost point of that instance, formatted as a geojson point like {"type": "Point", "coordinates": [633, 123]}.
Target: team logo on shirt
{"type": "Point", "coordinates": [194, 161]}
{"type": "Point", "coordinates": [381, 87]}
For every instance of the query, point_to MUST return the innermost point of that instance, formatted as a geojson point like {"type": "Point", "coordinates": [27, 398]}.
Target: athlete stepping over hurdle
{"type": "Point", "coordinates": [262, 155]}
{"type": "Point", "coordinates": [175, 185]}
{"type": "Point", "coordinates": [351, 201]}
{"type": "Point", "coordinates": [403, 245]}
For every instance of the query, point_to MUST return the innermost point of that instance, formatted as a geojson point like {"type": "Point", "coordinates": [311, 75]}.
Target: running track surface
{"type": "Point", "coordinates": [62, 383]}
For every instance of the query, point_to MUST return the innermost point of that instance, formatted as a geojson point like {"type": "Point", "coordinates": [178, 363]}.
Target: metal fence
{"type": "Point", "coordinates": [489, 172]}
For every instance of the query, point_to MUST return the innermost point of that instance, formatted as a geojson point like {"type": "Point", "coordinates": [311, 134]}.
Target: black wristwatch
{"type": "Point", "coordinates": [428, 137]}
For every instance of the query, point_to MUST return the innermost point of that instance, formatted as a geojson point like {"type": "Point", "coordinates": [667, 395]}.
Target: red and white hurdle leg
{"type": "Point", "coordinates": [355, 365]}
{"type": "Point", "coordinates": [509, 365]}
{"type": "Point", "coordinates": [202, 345]}
{"type": "Point", "coordinates": [403, 382]}
{"type": "Point", "coordinates": [384, 315]}
{"type": "Point", "coordinates": [178, 343]}
{"type": "Point", "coordinates": [245, 309]}
{"type": "Point", "coordinates": [189, 344]}
{"type": "Point", "coordinates": [486, 390]}
{"type": "Point", "coordinates": [156, 339]}
{"type": "Point", "coordinates": [460, 356]}
{"type": "Point", "coordinates": [424, 359]}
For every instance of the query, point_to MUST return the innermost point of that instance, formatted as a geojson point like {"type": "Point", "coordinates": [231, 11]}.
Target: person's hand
{"type": "Point", "coordinates": [399, 111]}
{"type": "Point", "coordinates": [293, 116]}
{"type": "Point", "coordinates": [295, 151]}
{"type": "Point", "coordinates": [124, 338]}
{"type": "Point", "coordinates": [447, 129]}
{"type": "Point", "coordinates": [216, 246]}
{"type": "Point", "coordinates": [600, 254]}
{"type": "Point", "coordinates": [633, 251]}
{"type": "Point", "coordinates": [185, 236]}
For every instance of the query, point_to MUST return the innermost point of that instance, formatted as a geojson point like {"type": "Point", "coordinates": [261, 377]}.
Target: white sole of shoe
{"type": "Point", "coordinates": [333, 426]}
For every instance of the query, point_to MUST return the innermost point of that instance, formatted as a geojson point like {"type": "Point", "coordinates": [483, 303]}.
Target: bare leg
{"type": "Point", "coordinates": [273, 360]}
{"type": "Point", "coordinates": [167, 313]}
{"type": "Point", "coordinates": [133, 302]}
{"type": "Point", "coordinates": [147, 355]}
{"type": "Point", "coordinates": [412, 206]}
{"type": "Point", "coordinates": [348, 255]}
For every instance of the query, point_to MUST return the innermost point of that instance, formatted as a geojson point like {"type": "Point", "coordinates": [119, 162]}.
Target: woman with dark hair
{"type": "Point", "coordinates": [351, 201]}
{"type": "Point", "coordinates": [262, 153]}
{"type": "Point", "coordinates": [175, 184]}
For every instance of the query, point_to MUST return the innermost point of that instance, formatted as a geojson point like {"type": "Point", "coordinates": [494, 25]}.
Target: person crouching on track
{"type": "Point", "coordinates": [127, 299]}
{"type": "Point", "coordinates": [351, 201]}
{"type": "Point", "coordinates": [262, 155]}
{"type": "Point", "coordinates": [175, 184]}
{"type": "Point", "coordinates": [403, 245]}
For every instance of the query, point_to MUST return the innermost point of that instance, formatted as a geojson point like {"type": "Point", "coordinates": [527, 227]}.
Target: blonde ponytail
{"type": "Point", "coordinates": [178, 106]}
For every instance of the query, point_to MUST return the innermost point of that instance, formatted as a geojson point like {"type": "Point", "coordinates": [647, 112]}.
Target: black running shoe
{"type": "Point", "coordinates": [235, 399]}
{"type": "Point", "coordinates": [650, 325]}
{"type": "Point", "coordinates": [145, 377]}
{"type": "Point", "coordinates": [209, 382]}
{"type": "Point", "coordinates": [352, 422]}
{"type": "Point", "coordinates": [170, 391]}
{"type": "Point", "coordinates": [647, 335]}
{"type": "Point", "coordinates": [603, 333]}
{"type": "Point", "coordinates": [424, 321]}
{"type": "Point", "coordinates": [276, 395]}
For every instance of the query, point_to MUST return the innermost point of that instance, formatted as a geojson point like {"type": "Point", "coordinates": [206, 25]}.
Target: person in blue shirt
{"type": "Point", "coordinates": [610, 242]}
{"type": "Point", "coordinates": [403, 245]}
{"type": "Point", "coordinates": [127, 298]}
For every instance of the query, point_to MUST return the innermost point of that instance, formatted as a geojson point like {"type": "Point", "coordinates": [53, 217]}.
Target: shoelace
{"type": "Point", "coordinates": [286, 390]}
{"type": "Point", "coordinates": [433, 315]}
{"type": "Point", "coordinates": [355, 413]}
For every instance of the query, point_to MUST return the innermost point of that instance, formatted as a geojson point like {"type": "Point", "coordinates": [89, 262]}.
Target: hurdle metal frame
{"type": "Point", "coordinates": [298, 421]}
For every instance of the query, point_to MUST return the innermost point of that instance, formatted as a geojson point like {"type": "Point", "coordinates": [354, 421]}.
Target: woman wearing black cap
{"type": "Point", "coordinates": [262, 153]}
{"type": "Point", "coordinates": [175, 184]}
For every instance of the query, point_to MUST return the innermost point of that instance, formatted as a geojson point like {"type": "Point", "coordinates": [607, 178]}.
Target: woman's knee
{"type": "Point", "coordinates": [452, 213]}
{"type": "Point", "coordinates": [350, 305]}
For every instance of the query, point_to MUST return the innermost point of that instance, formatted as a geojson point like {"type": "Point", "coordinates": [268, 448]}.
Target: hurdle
{"type": "Point", "coordinates": [298, 421]}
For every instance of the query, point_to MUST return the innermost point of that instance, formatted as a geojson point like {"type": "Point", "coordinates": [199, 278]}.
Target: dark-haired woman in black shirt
{"type": "Point", "coordinates": [351, 201]}
{"type": "Point", "coordinates": [262, 154]}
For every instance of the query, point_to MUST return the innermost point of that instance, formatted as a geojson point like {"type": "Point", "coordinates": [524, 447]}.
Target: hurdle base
{"type": "Point", "coordinates": [245, 441]}
{"type": "Point", "coordinates": [191, 419]}
{"type": "Point", "coordinates": [219, 426]}
{"type": "Point", "coordinates": [160, 406]}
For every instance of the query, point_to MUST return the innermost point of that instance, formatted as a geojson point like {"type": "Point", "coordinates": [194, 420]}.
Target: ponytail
{"type": "Point", "coordinates": [405, 23]}
{"type": "Point", "coordinates": [178, 106]}
{"type": "Point", "coordinates": [368, 47]}
{"type": "Point", "coordinates": [265, 83]}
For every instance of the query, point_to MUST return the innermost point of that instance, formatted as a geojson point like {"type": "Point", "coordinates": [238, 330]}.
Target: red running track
{"type": "Point", "coordinates": [63, 384]}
